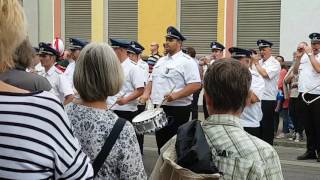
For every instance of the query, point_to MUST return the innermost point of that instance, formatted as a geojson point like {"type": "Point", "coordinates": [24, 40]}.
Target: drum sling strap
{"type": "Point", "coordinates": [108, 144]}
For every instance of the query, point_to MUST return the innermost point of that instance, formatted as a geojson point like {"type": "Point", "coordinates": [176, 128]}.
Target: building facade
{"type": "Point", "coordinates": [231, 22]}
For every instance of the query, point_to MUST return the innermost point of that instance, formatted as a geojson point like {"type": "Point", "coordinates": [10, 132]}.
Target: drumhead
{"type": "Point", "coordinates": [146, 115]}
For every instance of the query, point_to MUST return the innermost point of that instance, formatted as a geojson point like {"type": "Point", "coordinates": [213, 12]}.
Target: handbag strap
{"type": "Point", "coordinates": [108, 144]}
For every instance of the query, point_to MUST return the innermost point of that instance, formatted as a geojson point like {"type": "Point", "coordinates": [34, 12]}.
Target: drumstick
{"type": "Point", "coordinates": [115, 102]}
{"type": "Point", "coordinates": [164, 99]}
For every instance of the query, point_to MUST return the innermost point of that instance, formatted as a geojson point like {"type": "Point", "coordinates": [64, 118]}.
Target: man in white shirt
{"type": "Point", "coordinates": [60, 85]}
{"type": "Point", "coordinates": [126, 101]}
{"type": "Point", "coordinates": [308, 66]}
{"type": "Point", "coordinates": [134, 53]}
{"type": "Point", "coordinates": [217, 52]}
{"type": "Point", "coordinates": [75, 47]}
{"type": "Point", "coordinates": [174, 79]}
{"type": "Point", "coordinates": [269, 68]}
{"type": "Point", "coordinates": [252, 113]}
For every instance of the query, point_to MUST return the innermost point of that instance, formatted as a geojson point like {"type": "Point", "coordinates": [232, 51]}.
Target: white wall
{"type": "Point", "coordinates": [31, 11]}
{"type": "Point", "coordinates": [46, 20]}
{"type": "Point", "coordinates": [298, 20]}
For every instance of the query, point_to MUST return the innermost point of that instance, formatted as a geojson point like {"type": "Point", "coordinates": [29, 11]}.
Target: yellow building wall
{"type": "Point", "coordinates": [221, 21]}
{"type": "Point", "coordinates": [97, 20]}
{"type": "Point", "coordinates": [154, 16]}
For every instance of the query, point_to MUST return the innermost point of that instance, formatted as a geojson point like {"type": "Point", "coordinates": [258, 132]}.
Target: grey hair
{"type": "Point", "coordinates": [98, 73]}
{"type": "Point", "coordinates": [24, 54]}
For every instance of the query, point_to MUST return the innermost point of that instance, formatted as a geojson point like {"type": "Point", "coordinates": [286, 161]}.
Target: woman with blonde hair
{"type": "Point", "coordinates": [35, 135]}
{"type": "Point", "coordinates": [98, 74]}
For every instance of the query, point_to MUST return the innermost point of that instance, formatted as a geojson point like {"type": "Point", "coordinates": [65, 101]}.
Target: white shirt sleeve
{"type": "Point", "coordinates": [257, 85]}
{"type": "Point", "coordinates": [64, 86]}
{"type": "Point", "coordinates": [273, 69]}
{"type": "Point", "coordinates": [137, 78]}
{"type": "Point", "coordinates": [191, 72]}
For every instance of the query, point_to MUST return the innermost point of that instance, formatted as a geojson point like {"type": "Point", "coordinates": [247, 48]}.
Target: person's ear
{"type": "Point", "coordinates": [209, 103]}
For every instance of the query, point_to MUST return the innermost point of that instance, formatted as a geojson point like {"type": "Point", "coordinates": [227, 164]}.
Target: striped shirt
{"type": "Point", "coordinates": [238, 154]}
{"type": "Point", "coordinates": [36, 141]}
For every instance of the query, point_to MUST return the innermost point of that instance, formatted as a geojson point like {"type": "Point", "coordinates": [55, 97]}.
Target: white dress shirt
{"type": "Point", "coordinates": [308, 77]}
{"type": "Point", "coordinates": [60, 85]}
{"type": "Point", "coordinates": [145, 68]}
{"type": "Point", "coordinates": [176, 72]}
{"type": "Point", "coordinates": [272, 66]}
{"type": "Point", "coordinates": [133, 81]}
{"type": "Point", "coordinates": [252, 114]}
{"type": "Point", "coordinates": [70, 71]}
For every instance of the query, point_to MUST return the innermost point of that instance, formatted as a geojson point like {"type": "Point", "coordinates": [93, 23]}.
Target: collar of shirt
{"type": "Point", "coordinates": [125, 61]}
{"type": "Point", "coordinates": [223, 119]}
{"type": "Point", "coordinates": [266, 61]}
{"type": "Point", "coordinates": [176, 55]}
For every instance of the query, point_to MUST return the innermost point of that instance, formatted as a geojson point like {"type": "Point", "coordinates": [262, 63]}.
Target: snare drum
{"type": "Point", "coordinates": [150, 121]}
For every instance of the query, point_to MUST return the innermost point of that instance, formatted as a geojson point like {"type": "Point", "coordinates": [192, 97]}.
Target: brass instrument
{"type": "Point", "coordinates": [313, 100]}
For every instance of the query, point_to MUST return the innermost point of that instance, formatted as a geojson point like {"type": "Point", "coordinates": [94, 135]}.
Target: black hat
{"type": "Point", "coordinates": [261, 43]}
{"type": "Point", "coordinates": [45, 48]}
{"type": "Point", "coordinates": [216, 45]}
{"type": "Point", "coordinates": [135, 48]}
{"type": "Point", "coordinates": [239, 52]}
{"type": "Point", "coordinates": [35, 50]}
{"type": "Point", "coordinates": [115, 43]}
{"type": "Point", "coordinates": [174, 33]}
{"type": "Point", "coordinates": [77, 43]}
{"type": "Point", "coordinates": [314, 37]}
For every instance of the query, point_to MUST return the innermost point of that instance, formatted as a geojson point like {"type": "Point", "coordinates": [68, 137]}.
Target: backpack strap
{"type": "Point", "coordinates": [108, 144]}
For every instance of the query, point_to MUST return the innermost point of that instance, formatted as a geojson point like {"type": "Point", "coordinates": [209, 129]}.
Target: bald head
{"type": "Point", "coordinates": [154, 48]}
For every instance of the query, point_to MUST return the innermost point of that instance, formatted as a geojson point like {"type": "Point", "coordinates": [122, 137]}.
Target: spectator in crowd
{"type": "Point", "coordinates": [291, 90]}
{"type": "Point", "coordinates": [194, 105]}
{"type": "Point", "coordinates": [35, 135]}
{"type": "Point", "coordinates": [98, 74]}
{"type": "Point", "coordinates": [238, 155]}
{"type": "Point", "coordinates": [154, 57]}
{"type": "Point", "coordinates": [19, 77]}
{"type": "Point", "coordinates": [281, 110]}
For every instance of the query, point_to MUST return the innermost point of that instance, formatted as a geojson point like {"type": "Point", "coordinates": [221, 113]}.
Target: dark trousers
{"type": "Point", "coordinates": [205, 110]}
{"type": "Point", "coordinates": [254, 131]}
{"type": "Point", "coordinates": [293, 113]}
{"type": "Point", "coordinates": [129, 115]}
{"type": "Point", "coordinates": [311, 121]}
{"type": "Point", "coordinates": [194, 105]}
{"type": "Point", "coordinates": [276, 118]}
{"type": "Point", "coordinates": [177, 115]}
{"type": "Point", "coordinates": [267, 122]}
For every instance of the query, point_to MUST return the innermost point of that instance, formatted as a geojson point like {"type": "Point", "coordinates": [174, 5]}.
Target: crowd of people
{"type": "Point", "coordinates": [67, 113]}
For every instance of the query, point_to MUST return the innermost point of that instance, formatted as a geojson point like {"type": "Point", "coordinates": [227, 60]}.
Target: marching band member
{"type": "Point", "coordinates": [126, 101]}
{"type": "Point", "coordinates": [174, 79]}
{"type": "Point", "coordinates": [269, 68]}
{"type": "Point", "coordinates": [217, 50]}
{"type": "Point", "coordinates": [252, 113]}
{"type": "Point", "coordinates": [60, 86]}
{"type": "Point", "coordinates": [308, 66]}
{"type": "Point", "coordinates": [75, 47]}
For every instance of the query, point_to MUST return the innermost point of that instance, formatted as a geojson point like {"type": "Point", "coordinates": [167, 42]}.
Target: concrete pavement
{"type": "Point", "coordinates": [291, 168]}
